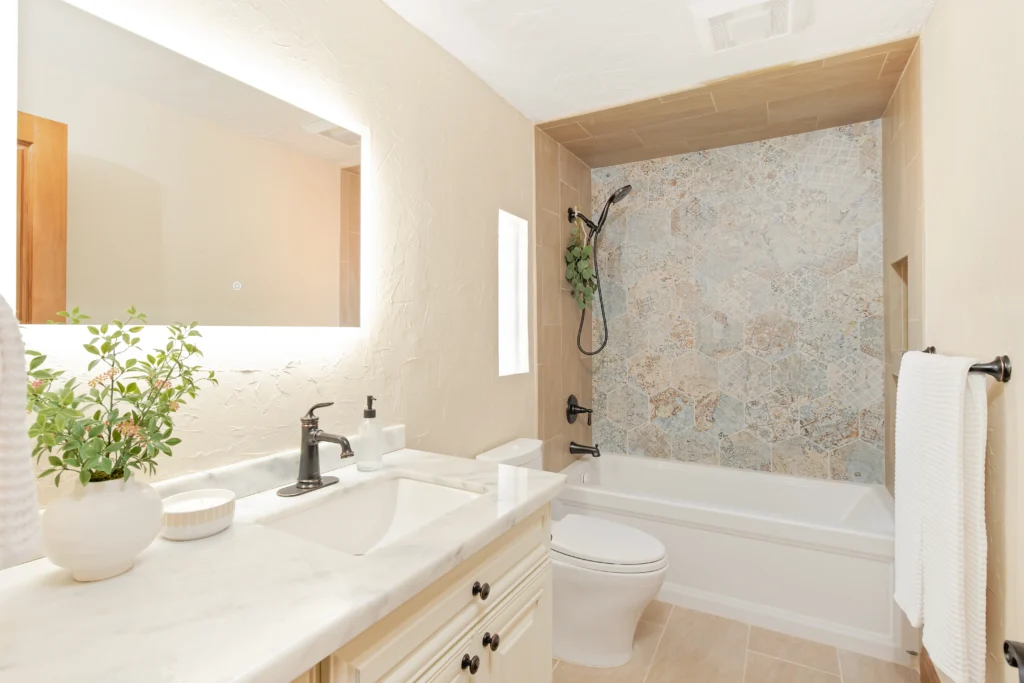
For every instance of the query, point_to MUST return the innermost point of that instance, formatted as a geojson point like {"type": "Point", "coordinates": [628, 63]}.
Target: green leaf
{"type": "Point", "coordinates": [91, 349]}
{"type": "Point", "coordinates": [55, 461]}
{"type": "Point", "coordinates": [84, 476]}
{"type": "Point", "coordinates": [173, 441]}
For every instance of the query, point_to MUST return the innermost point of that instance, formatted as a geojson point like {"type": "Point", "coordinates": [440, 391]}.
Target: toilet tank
{"type": "Point", "coordinates": [521, 453]}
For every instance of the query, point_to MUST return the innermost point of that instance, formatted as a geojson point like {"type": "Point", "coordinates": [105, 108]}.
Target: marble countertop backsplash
{"type": "Point", "coordinates": [252, 604]}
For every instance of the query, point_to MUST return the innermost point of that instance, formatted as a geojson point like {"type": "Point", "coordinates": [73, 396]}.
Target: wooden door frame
{"type": "Point", "coordinates": [42, 219]}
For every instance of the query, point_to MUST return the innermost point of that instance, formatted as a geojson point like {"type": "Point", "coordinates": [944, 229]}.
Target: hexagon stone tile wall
{"type": "Point", "coordinates": [670, 412]}
{"type": "Point", "coordinates": [629, 407]}
{"type": "Point", "coordinates": [695, 374]}
{"type": "Point", "coordinates": [744, 298]}
{"type": "Point", "coordinates": [744, 376]}
{"type": "Point", "coordinates": [746, 451]}
{"type": "Point", "coordinates": [719, 336]}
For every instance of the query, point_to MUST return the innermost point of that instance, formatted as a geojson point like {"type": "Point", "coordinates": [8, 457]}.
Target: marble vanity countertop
{"type": "Point", "coordinates": [252, 604]}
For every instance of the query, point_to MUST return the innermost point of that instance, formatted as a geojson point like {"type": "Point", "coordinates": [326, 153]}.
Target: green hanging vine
{"type": "Point", "coordinates": [579, 267]}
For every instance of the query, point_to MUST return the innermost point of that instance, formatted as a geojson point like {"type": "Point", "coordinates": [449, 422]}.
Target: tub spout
{"type": "Point", "coordinates": [580, 449]}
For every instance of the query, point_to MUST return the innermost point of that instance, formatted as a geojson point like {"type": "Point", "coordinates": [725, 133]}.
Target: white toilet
{"type": "Point", "coordinates": [605, 574]}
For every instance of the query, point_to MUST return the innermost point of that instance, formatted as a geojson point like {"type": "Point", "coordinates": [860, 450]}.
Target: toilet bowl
{"type": "Point", "coordinates": [605, 574]}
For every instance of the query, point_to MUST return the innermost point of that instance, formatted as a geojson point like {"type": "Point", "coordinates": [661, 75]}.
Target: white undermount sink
{"type": "Point", "coordinates": [360, 519]}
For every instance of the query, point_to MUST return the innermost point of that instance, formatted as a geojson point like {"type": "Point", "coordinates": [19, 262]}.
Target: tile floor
{"type": "Point", "coordinates": [677, 645]}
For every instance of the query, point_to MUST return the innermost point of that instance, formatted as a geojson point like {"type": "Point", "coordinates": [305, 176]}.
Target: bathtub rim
{"type": "Point", "coordinates": [837, 539]}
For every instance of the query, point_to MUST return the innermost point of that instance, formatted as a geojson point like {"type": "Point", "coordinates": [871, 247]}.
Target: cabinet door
{"type": "Point", "coordinates": [524, 630]}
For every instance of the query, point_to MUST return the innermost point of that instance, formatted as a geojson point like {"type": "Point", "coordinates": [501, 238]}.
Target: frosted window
{"type": "Point", "coordinates": [513, 271]}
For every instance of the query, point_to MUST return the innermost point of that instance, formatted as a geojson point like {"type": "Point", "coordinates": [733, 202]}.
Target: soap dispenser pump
{"type": "Point", "coordinates": [370, 456]}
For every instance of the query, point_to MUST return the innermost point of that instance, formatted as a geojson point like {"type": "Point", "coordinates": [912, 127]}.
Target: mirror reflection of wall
{"type": "Point", "coordinates": [146, 179]}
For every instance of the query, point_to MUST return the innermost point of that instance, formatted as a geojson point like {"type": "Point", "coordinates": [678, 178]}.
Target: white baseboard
{"type": "Point", "coordinates": [791, 623]}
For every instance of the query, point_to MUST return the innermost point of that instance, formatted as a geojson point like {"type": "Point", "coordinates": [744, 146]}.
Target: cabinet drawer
{"type": "Point", "coordinates": [417, 633]}
{"type": "Point", "coordinates": [448, 669]}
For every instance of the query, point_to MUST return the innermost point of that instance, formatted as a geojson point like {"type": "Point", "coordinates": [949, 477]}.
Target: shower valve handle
{"type": "Point", "coordinates": [574, 409]}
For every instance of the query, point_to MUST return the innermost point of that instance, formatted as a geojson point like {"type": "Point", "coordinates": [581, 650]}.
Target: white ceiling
{"type": "Point", "coordinates": [556, 58]}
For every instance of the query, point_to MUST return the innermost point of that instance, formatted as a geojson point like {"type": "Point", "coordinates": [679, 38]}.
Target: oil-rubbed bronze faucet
{"type": "Point", "coordinates": [580, 449]}
{"type": "Point", "coordinates": [309, 455]}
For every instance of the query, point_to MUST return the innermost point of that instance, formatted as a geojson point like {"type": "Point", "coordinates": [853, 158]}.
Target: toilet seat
{"type": "Point", "coordinates": [604, 546]}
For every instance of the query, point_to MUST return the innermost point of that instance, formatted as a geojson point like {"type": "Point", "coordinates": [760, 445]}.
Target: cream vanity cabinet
{"type": "Point", "coordinates": [487, 620]}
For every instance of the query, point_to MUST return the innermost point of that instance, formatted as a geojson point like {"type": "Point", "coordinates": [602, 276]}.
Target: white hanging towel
{"type": "Point", "coordinates": [19, 506]}
{"type": "Point", "coordinates": [941, 547]}
{"type": "Point", "coordinates": [911, 407]}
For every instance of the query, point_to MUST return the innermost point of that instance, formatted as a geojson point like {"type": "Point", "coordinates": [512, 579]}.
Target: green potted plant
{"type": "Point", "coordinates": [579, 267]}
{"type": "Point", "coordinates": [102, 432]}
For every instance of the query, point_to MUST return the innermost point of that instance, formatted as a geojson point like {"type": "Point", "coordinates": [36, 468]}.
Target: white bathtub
{"type": "Point", "coordinates": [806, 557]}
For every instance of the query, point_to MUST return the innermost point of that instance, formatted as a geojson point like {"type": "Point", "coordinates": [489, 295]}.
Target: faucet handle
{"type": "Point", "coordinates": [310, 416]}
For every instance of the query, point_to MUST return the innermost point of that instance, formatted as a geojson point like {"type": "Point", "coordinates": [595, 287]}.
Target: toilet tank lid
{"type": "Point", "coordinates": [599, 540]}
{"type": "Point", "coordinates": [516, 452]}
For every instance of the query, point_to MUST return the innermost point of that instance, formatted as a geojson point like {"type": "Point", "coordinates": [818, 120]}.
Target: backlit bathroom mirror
{"type": "Point", "coordinates": [146, 179]}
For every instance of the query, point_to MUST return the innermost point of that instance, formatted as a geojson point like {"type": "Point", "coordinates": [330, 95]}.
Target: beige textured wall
{"type": "Point", "coordinates": [443, 154]}
{"type": "Point", "coordinates": [973, 142]}
{"type": "Point", "coordinates": [562, 181]}
{"type": "Point", "coordinates": [140, 177]}
{"type": "Point", "coordinates": [903, 258]}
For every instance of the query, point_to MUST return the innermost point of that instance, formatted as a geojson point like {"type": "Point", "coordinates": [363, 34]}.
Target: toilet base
{"type": "Point", "coordinates": [596, 613]}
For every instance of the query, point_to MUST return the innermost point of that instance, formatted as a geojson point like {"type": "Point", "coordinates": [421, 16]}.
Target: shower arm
{"type": "Point", "coordinates": [594, 228]}
{"type": "Point", "coordinates": [574, 215]}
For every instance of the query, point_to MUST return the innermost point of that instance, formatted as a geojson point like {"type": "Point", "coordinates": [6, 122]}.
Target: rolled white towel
{"type": "Point", "coordinates": [19, 505]}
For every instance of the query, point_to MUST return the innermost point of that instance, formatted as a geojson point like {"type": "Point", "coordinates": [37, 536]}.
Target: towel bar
{"type": "Point", "coordinates": [999, 369]}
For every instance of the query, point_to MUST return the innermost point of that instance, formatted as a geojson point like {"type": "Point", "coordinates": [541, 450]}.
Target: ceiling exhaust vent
{"type": "Point", "coordinates": [725, 24]}
{"type": "Point", "coordinates": [333, 132]}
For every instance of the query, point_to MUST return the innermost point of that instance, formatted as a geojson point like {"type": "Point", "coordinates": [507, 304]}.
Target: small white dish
{"type": "Point", "coordinates": [197, 514]}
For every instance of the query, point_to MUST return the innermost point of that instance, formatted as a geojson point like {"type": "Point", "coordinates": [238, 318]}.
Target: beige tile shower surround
{"type": "Point", "coordinates": [435, 178]}
{"type": "Point", "coordinates": [903, 210]}
{"type": "Point", "coordinates": [562, 181]}
{"type": "Point", "coordinates": [743, 291]}
{"type": "Point", "coordinates": [673, 645]}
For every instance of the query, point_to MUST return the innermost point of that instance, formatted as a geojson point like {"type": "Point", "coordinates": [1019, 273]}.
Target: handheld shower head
{"type": "Point", "coordinates": [616, 197]}
{"type": "Point", "coordinates": [595, 230]}
{"type": "Point", "coordinates": [620, 194]}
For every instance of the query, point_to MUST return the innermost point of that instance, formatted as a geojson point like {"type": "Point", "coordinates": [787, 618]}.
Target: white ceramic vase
{"type": "Point", "coordinates": [97, 531]}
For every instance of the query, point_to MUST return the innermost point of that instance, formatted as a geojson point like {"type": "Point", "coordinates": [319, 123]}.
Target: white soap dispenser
{"type": "Point", "coordinates": [370, 455]}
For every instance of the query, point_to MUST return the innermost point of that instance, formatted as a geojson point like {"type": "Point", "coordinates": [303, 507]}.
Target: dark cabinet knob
{"type": "Point", "coordinates": [492, 641]}
{"type": "Point", "coordinates": [481, 589]}
{"type": "Point", "coordinates": [473, 664]}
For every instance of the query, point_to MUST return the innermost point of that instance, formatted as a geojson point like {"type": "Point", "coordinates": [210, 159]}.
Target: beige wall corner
{"type": "Point", "coordinates": [973, 180]}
